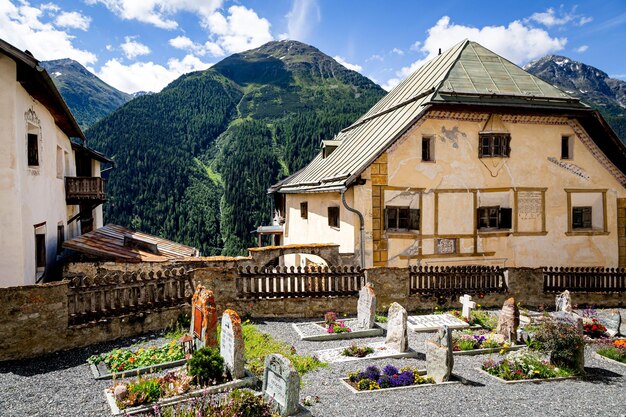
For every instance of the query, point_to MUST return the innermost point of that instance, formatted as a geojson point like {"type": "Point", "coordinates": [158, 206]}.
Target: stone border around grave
{"type": "Point", "coordinates": [598, 356]}
{"type": "Point", "coordinates": [525, 381]}
{"type": "Point", "coordinates": [137, 371]}
{"type": "Point", "coordinates": [475, 352]}
{"type": "Point", "coordinates": [434, 329]}
{"type": "Point", "coordinates": [355, 334]}
{"type": "Point", "coordinates": [409, 354]}
{"type": "Point", "coordinates": [249, 381]}
{"type": "Point", "coordinates": [345, 382]}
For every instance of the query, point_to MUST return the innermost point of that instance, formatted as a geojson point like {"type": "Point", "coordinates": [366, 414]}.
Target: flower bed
{"type": "Point", "coordinates": [468, 342]}
{"type": "Point", "coordinates": [123, 362]}
{"type": "Point", "coordinates": [524, 365]}
{"type": "Point", "coordinates": [376, 350]}
{"type": "Point", "coordinates": [615, 351]}
{"type": "Point", "coordinates": [372, 378]}
{"type": "Point", "coordinates": [593, 328]}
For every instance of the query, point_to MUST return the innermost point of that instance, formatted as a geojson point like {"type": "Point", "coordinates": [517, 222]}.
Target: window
{"type": "Point", "coordinates": [402, 218]}
{"type": "Point", "coordinates": [567, 147]}
{"type": "Point", "coordinates": [333, 216]}
{"type": "Point", "coordinates": [40, 250]}
{"type": "Point", "coordinates": [494, 217]}
{"type": "Point", "coordinates": [60, 238]}
{"type": "Point", "coordinates": [60, 163]}
{"type": "Point", "coordinates": [494, 145]}
{"type": "Point", "coordinates": [33, 150]}
{"type": "Point", "coordinates": [304, 210]}
{"type": "Point", "coordinates": [581, 218]}
{"type": "Point", "coordinates": [427, 149]}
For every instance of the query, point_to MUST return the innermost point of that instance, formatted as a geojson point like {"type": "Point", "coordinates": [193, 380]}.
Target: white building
{"type": "Point", "coordinates": [50, 186]}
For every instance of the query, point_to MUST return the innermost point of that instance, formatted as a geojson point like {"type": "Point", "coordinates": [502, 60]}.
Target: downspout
{"type": "Point", "coordinates": [361, 220]}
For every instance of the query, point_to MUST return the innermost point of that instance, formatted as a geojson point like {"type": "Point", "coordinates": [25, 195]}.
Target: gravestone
{"type": "Point", "coordinates": [613, 322]}
{"type": "Point", "coordinates": [468, 305]}
{"type": "Point", "coordinates": [281, 383]}
{"type": "Point", "coordinates": [564, 302]}
{"type": "Point", "coordinates": [366, 308]}
{"type": "Point", "coordinates": [231, 344]}
{"type": "Point", "coordinates": [579, 356]}
{"type": "Point", "coordinates": [439, 358]}
{"type": "Point", "coordinates": [203, 318]}
{"type": "Point", "coordinates": [508, 320]}
{"type": "Point", "coordinates": [397, 335]}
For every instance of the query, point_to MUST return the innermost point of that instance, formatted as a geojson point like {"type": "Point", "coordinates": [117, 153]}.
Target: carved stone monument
{"type": "Point", "coordinates": [203, 318]}
{"type": "Point", "coordinates": [281, 383]}
{"type": "Point", "coordinates": [231, 344]}
{"type": "Point", "coordinates": [564, 302]}
{"type": "Point", "coordinates": [439, 358]}
{"type": "Point", "coordinates": [397, 334]}
{"type": "Point", "coordinates": [366, 308]}
{"type": "Point", "coordinates": [508, 320]}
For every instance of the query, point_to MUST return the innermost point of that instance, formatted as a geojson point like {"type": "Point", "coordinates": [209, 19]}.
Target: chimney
{"type": "Point", "coordinates": [439, 51]}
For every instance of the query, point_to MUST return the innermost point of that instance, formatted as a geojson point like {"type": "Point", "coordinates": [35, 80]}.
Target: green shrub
{"type": "Point", "coordinates": [561, 340]}
{"type": "Point", "coordinates": [206, 366]}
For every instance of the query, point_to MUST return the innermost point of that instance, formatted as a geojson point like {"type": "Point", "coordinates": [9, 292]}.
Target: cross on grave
{"type": "Point", "coordinates": [468, 305]}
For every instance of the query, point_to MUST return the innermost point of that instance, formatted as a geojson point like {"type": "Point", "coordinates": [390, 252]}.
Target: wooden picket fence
{"type": "Point", "coordinates": [293, 282]}
{"type": "Point", "coordinates": [584, 279]}
{"type": "Point", "coordinates": [453, 280]}
{"type": "Point", "coordinates": [117, 294]}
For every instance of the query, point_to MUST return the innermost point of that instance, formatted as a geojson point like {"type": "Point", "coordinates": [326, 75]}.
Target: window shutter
{"type": "Point", "coordinates": [587, 217]}
{"type": "Point", "coordinates": [506, 215]}
{"type": "Point", "coordinates": [414, 219]}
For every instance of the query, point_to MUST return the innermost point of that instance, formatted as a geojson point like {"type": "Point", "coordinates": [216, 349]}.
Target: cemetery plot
{"type": "Point", "coordinates": [480, 342]}
{"type": "Point", "coordinates": [357, 352]}
{"type": "Point", "coordinates": [432, 322]}
{"type": "Point", "coordinates": [374, 379]}
{"type": "Point", "coordinates": [281, 385]}
{"type": "Point", "coordinates": [614, 351]}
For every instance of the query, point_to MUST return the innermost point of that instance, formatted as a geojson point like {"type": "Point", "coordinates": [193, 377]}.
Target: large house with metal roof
{"type": "Point", "coordinates": [50, 186]}
{"type": "Point", "coordinates": [470, 160]}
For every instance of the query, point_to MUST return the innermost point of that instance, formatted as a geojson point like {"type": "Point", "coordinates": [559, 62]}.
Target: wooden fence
{"type": "Point", "coordinates": [292, 282]}
{"type": "Point", "coordinates": [116, 294]}
{"type": "Point", "coordinates": [591, 279]}
{"type": "Point", "coordinates": [453, 280]}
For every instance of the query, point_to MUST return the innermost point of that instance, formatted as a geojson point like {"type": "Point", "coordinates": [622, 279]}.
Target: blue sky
{"type": "Point", "coordinates": [145, 44]}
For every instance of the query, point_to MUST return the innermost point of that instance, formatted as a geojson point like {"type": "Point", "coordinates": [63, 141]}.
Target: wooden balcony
{"type": "Point", "coordinates": [84, 190]}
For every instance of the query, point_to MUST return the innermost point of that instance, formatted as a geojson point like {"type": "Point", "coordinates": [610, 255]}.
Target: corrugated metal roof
{"type": "Point", "coordinates": [108, 242]}
{"type": "Point", "coordinates": [466, 73]}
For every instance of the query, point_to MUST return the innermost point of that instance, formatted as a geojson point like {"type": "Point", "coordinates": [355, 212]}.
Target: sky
{"type": "Point", "coordinates": [143, 45]}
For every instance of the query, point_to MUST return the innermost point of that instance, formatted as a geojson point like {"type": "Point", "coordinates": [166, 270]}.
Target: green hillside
{"type": "Point", "coordinates": [195, 160]}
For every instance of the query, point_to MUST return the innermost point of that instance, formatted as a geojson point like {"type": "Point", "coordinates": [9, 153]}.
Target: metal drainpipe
{"type": "Point", "coordinates": [361, 220]}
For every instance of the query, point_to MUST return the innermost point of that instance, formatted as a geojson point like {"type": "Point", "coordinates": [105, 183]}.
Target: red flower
{"type": "Point", "coordinates": [594, 327]}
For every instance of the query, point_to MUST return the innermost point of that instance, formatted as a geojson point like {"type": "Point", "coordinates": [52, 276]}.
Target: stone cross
{"type": "Point", "coordinates": [203, 318]}
{"type": "Point", "coordinates": [281, 383]}
{"type": "Point", "coordinates": [508, 320]}
{"type": "Point", "coordinates": [468, 305]}
{"type": "Point", "coordinates": [397, 334]}
{"type": "Point", "coordinates": [439, 359]}
{"type": "Point", "coordinates": [231, 344]}
{"type": "Point", "coordinates": [366, 308]}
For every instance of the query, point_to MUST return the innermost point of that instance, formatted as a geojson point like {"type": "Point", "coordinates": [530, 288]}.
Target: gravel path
{"type": "Point", "coordinates": [62, 385]}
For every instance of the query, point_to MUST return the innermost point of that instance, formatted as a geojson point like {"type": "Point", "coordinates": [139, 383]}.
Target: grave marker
{"type": "Point", "coordinates": [397, 336]}
{"type": "Point", "coordinates": [433, 322]}
{"type": "Point", "coordinates": [366, 308]}
{"type": "Point", "coordinates": [564, 302]}
{"type": "Point", "coordinates": [203, 318]}
{"type": "Point", "coordinates": [508, 320]}
{"type": "Point", "coordinates": [439, 358]}
{"type": "Point", "coordinates": [613, 322]}
{"type": "Point", "coordinates": [468, 305]}
{"type": "Point", "coordinates": [281, 383]}
{"type": "Point", "coordinates": [231, 344]}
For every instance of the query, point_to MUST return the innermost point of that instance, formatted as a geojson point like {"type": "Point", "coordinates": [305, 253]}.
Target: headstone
{"type": "Point", "coordinates": [397, 335]}
{"type": "Point", "coordinates": [203, 318]}
{"type": "Point", "coordinates": [366, 308]}
{"type": "Point", "coordinates": [564, 302]}
{"type": "Point", "coordinates": [439, 358]}
{"type": "Point", "coordinates": [612, 322]}
{"type": "Point", "coordinates": [508, 320]}
{"type": "Point", "coordinates": [468, 305]}
{"type": "Point", "coordinates": [572, 318]}
{"type": "Point", "coordinates": [281, 383]}
{"type": "Point", "coordinates": [231, 344]}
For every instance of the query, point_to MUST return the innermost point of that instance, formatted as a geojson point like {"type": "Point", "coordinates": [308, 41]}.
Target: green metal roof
{"type": "Point", "coordinates": [467, 73]}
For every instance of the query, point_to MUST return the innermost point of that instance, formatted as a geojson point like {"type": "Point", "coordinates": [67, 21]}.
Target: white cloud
{"type": "Point", "coordinates": [302, 18]}
{"type": "Point", "coordinates": [353, 67]}
{"type": "Point", "coordinates": [397, 51]}
{"type": "Point", "coordinates": [552, 18]}
{"type": "Point", "coordinates": [159, 13]}
{"type": "Point", "coordinates": [375, 57]}
{"type": "Point", "coordinates": [416, 46]}
{"type": "Point", "coordinates": [241, 29]}
{"type": "Point", "coordinates": [132, 48]}
{"type": "Point", "coordinates": [186, 44]}
{"type": "Point", "coordinates": [109, 48]}
{"type": "Point", "coordinates": [517, 42]}
{"type": "Point", "coordinates": [582, 48]}
{"type": "Point", "coordinates": [391, 83]}
{"type": "Point", "coordinates": [147, 76]}
{"type": "Point", "coordinates": [22, 27]}
{"type": "Point", "coordinates": [72, 20]}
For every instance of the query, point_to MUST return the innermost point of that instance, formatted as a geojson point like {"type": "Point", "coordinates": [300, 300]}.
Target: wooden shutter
{"type": "Point", "coordinates": [506, 217]}
{"type": "Point", "coordinates": [414, 219]}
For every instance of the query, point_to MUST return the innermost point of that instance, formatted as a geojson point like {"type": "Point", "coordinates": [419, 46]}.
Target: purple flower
{"type": "Point", "coordinates": [372, 372]}
{"type": "Point", "coordinates": [390, 370]}
{"type": "Point", "coordinates": [385, 381]}
{"type": "Point", "coordinates": [405, 378]}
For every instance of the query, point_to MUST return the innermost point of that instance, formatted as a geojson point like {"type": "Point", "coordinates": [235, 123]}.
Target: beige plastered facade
{"type": "Point", "coordinates": [537, 185]}
{"type": "Point", "coordinates": [32, 199]}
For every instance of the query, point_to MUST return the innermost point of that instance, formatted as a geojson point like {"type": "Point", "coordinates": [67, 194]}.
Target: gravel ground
{"type": "Point", "coordinates": [62, 385]}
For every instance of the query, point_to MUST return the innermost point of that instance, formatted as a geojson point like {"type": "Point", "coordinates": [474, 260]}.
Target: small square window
{"type": "Point", "coordinates": [402, 218]}
{"type": "Point", "coordinates": [496, 145]}
{"type": "Point", "coordinates": [304, 210]}
{"type": "Point", "coordinates": [494, 217]}
{"type": "Point", "coordinates": [33, 150]}
{"type": "Point", "coordinates": [581, 218]}
{"type": "Point", "coordinates": [333, 216]}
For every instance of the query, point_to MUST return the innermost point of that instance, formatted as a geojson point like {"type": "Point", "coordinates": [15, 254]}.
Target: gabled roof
{"type": "Point", "coordinates": [38, 83]}
{"type": "Point", "coordinates": [467, 73]}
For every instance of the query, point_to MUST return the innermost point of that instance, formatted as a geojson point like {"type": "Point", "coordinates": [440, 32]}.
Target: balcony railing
{"type": "Point", "coordinates": [84, 190]}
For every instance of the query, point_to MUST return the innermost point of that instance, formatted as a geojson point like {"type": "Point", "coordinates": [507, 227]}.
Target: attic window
{"type": "Point", "coordinates": [134, 242]}
{"type": "Point", "coordinates": [328, 146]}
